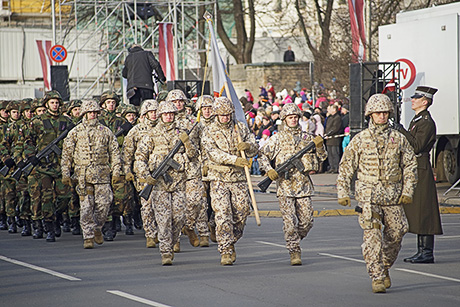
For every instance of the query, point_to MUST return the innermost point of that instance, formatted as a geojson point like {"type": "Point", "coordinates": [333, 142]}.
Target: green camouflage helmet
{"type": "Point", "coordinates": [378, 103]}
{"type": "Point", "coordinates": [109, 95]}
{"type": "Point", "coordinates": [223, 106]}
{"type": "Point", "coordinates": [166, 107]}
{"type": "Point", "coordinates": [129, 108]}
{"type": "Point", "coordinates": [290, 109]}
{"type": "Point", "coordinates": [13, 105]}
{"type": "Point", "coordinates": [176, 95]}
{"type": "Point", "coordinates": [74, 104]}
{"type": "Point", "coordinates": [37, 103]}
{"type": "Point", "coordinates": [4, 104]}
{"type": "Point", "coordinates": [51, 95]}
{"type": "Point", "coordinates": [148, 105]}
{"type": "Point", "coordinates": [89, 106]}
{"type": "Point", "coordinates": [205, 101]}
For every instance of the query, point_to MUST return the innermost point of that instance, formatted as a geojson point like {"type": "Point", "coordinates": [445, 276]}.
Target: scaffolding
{"type": "Point", "coordinates": [103, 30]}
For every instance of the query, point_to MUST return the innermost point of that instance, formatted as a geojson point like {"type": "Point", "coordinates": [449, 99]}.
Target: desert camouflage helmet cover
{"type": "Point", "coordinates": [290, 109]}
{"type": "Point", "coordinates": [205, 101]}
{"type": "Point", "coordinates": [176, 95]}
{"type": "Point", "coordinates": [89, 106]}
{"type": "Point", "coordinates": [148, 105]}
{"type": "Point", "coordinates": [378, 103]}
{"type": "Point", "coordinates": [109, 95]}
{"type": "Point", "coordinates": [51, 95]}
{"type": "Point", "coordinates": [166, 107]}
{"type": "Point", "coordinates": [223, 106]}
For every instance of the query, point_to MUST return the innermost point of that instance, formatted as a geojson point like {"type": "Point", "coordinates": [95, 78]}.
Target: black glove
{"type": "Point", "coordinates": [398, 127]}
{"type": "Point", "coordinates": [9, 162]}
{"type": "Point", "coordinates": [21, 164]}
{"type": "Point", "coordinates": [34, 161]}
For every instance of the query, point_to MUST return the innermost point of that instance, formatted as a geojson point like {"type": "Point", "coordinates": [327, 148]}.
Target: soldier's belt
{"type": "Point", "coordinates": [86, 162]}
{"type": "Point", "coordinates": [222, 168]}
{"type": "Point", "coordinates": [375, 179]}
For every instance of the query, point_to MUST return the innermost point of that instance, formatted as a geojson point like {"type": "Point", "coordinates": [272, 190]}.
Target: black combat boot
{"type": "Point", "coordinates": [57, 227]}
{"type": "Point", "coordinates": [128, 221]}
{"type": "Point", "coordinates": [12, 222]}
{"type": "Point", "coordinates": [65, 223]}
{"type": "Point", "coordinates": [117, 221]}
{"type": "Point", "coordinates": [75, 225]}
{"type": "Point", "coordinates": [109, 234]}
{"type": "Point", "coordinates": [38, 230]}
{"type": "Point", "coordinates": [19, 221]}
{"type": "Point", "coordinates": [137, 219]}
{"type": "Point", "coordinates": [50, 229]}
{"type": "Point", "coordinates": [3, 224]}
{"type": "Point", "coordinates": [427, 250]}
{"type": "Point", "coordinates": [419, 250]}
{"type": "Point", "coordinates": [26, 231]}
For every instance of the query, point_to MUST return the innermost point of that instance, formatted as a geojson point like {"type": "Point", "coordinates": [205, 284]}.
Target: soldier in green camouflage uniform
{"type": "Point", "coordinates": [229, 189]}
{"type": "Point", "coordinates": [93, 151]}
{"type": "Point", "coordinates": [167, 198]}
{"type": "Point", "coordinates": [48, 194]}
{"type": "Point", "coordinates": [386, 170]}
{"type": "Point", "coordinates": [3, 126]}
{"type": "Point", "coordinates": [294, 193]}
{"type": "Point", "coordinates": [135, 135]}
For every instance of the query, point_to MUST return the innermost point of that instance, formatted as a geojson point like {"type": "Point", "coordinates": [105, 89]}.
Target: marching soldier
{"type": "Point", "coordinates": [74, 110]}
{"type": "Point", "coordinates": [93, 151]}
{"type": "Point", "coordinates": [229, 189]}
{"type": "Point", "coordinates": [294, 192]}
{"type": "Point", "coordinates": [386, 177]}
{"type": "Point", "coordinates": [130, 113]}
{"type": "Point", "coordinates": [4, 114]}
{"type": "Point", "coordinates": [167, 198]}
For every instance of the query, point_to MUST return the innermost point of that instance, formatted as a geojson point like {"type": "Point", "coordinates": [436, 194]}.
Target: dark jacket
{"type": "Point", "coordinates": [139, 65]}
{"type": "Point", "coordinates": [289, 56]}
{"type": "Point", "coordinates": [334, 127]}
{"type": "Point", "coordinates": [423, 213]}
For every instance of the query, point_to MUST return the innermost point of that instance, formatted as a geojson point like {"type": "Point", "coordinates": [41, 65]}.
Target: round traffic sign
{"type": "Point", "coordinates": [58, 53]}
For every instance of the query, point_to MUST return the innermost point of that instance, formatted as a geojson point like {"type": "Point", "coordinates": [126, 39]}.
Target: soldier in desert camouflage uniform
{"type": "Point", "coordinates": [93, 151]}
{"type": "Point", "coordinates": [229, 189]}
{"type": "Point", "coordinates": [386, 177]}
{"type": "Point", "coordinates": [167, 198]}
{"type": "Point", "coordinates": [135, 135]}
{"type": "Point", "coordinates": [294, 193]}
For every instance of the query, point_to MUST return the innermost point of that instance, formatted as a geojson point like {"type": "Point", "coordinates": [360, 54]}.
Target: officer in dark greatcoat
{"type": "Point", "coordinates": [423, 213]}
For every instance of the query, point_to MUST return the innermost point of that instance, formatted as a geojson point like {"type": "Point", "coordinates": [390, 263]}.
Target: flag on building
{"type": "Point", "coordinates": [44, 47]}
{"type": "Point", "coordinates": [166, 50]}
{"type": "Point", "coordinates": [220, 79]}
{"type": "Point", "coordinates": [358, 34]}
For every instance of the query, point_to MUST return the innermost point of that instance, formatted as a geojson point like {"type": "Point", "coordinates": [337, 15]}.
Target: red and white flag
{"type": "Point", "coordinates": [358, 35]}
{"type": "Point", "coordinates": [166, 50]}
{"type": "Point", "coordinates": [45, 59]}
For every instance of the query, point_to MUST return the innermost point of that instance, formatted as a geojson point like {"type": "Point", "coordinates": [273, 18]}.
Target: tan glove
{"type": "Point", "coordinates": [129, 176]}
{"type": "Point", "coordinates": [204, 171]}
{"type": "Point", "coordinates": [67, 181]}
{"type": "Point", "coordinates": [344, 201]}
{"type": "Point", "coordinates": [272, 174]}
{"type": "Point", "coordinates": [318, 140]}
{"type": "Point", "coordinates": [184, 138]}
{"type": "Point", "coordinates": [241, 162]}
{"type": "Point", "coordinates": [117, 179]}
{"type": "Point", "coordinates": [150, 180]}
{"type": "Point", "coordinates": [243, 146]}
{"type": "Point", "coordinates": [405, 200]}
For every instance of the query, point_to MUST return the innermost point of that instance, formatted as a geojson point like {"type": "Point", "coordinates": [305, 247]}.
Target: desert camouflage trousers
{"type": "Point", "coordinates": [381, 246]}
{"type": "Point", "coordinates": [196, 207]}
{"type": "Point", "coordinates": [148, 218]}
{"type": "Point", "coordinates": [297, 220]}
{"type": "Point", "coordinates": [94, 204]}
{"type": "Point", "coordinates": [170, 217]}
{"type": "Point", "coordinates": [230, 202]}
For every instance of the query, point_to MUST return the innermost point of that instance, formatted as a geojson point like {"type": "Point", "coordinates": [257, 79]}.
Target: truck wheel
{"type": "Point", "coordinates": [450, 163]}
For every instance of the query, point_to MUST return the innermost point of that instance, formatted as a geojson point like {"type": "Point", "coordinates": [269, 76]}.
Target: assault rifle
{"type": "Point", "coordinates": [6, 167]}
{"type": "Point", "coordinates": [162, 169]}
{"type": "Point", "coordinates": [124, 129]}
{"type": "Point", "coordinates": [45, 152]}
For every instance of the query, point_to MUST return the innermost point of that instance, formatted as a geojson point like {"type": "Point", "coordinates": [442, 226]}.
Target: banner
{"type": "Point", "coordinates": [45, 59]}
{"type": "Point", "coordinates": [166, 50]}
{"type": "Point", "coordinates": [358, 35]}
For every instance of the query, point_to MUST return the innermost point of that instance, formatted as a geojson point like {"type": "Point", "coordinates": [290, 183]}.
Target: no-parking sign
{"type": "Point", "coordinates": [58, 53]}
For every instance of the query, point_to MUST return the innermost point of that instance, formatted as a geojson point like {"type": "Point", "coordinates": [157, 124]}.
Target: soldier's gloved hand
{"type": "Point", "coordinates": [184, 138]}
{"type": "Point", "coordinates": [241, 162]}
{"type": "Point", "coordinates": [345, 201]}
{"type": "Point", "coordinates": [318, 140]}
{"type": "Point", "coordinates": [129, 176]}
{"type": "Point", "coordinates": [398, 127]}
{"type": "Point", "coordinates": [150, 180]}
{"type": "Point", "coordinates": [33, 160]}
{"type": "Point", "coordinates": [66, 181]}
{"type": "Point", "coordinates": [117, 179]}
{"type": "Point", "coordinates": [405, 200]}
{"type": "Point", "coordinates": [243, 146]}
{"type": "Point", "coordinates": [272, 174]}
{"type": "Point", "coordinates": [204, 170]}
{"type": "Point", "coordinates": [9, 162]}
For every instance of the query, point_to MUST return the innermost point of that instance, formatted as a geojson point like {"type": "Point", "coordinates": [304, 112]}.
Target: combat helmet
{"type": "Point", "coordinates": [51, 95]}
{"type": "Point", "coordinates": [109, 95]}
{"type": "Point", "coordinates": [290, 109]}
{"type": "Point", "coordinates": [378, 103]}
{"type": "Point", "coordinates": [166, 107]}
{"type": "Point", "coordinates": [176, 95]}
{"type": "Point", "coordinates": [74, 104]}
{"type": "Point", "coordinates": [26, 104]}
{"type": "Point", "coordinates": [223, 106]}
{"type": "Point", "coordinates": [148, 105]}
{"type": "Point", "coordinates": [4, 104]}
{"type": "Point", "coordinates": [37, 103]}
{"type": "Point", "coordinates": [13, 105]}
{"type": "Point", "coordinates": [129, 108]}
{"type": "Point", "coordinates": [89, 106]}
{"type": "Point", "coordinates": [205, 101]}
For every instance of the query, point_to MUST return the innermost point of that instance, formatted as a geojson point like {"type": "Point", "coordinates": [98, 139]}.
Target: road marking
{"type": "Point", "coordinates": [448, 237]}
{"type": "Point", "coordinates": [37, 268]}
{"type": "Point", "coordinates": [397, 269]}
{"type": "Point", "coordinates": [137, 298]}
{"type": "Point", "coordinates": [269, 243]}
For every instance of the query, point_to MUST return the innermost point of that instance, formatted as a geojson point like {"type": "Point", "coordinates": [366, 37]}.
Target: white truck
{"type": "Point", "coordinates": [426, 43]}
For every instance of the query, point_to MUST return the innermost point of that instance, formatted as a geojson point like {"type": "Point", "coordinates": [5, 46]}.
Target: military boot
{"type": "Point", "coordinates": [150, 243]}
{"type": "Point", "coordinates": [166, 259]}
{"type": "Point", "coordinates": [233, 255]}
{"type": "Point", "coordinates": [50, 229]}
{"type": "Point", "coordinates": [378, 286]}
{"type": "Point", "coordinates": [65, 223]}
{"type": "Point", "coordinates": [26, 231]}
{"type": "Point", "coordinates": [419, 250]}
{"type": "Point", "coordinates": [57, 226]}
{"type": "Point", "coordinates": [19, 222]}
{"type": "Point", "coordinates": [427, 250]}
{"type": "Point", "coordinates": [3, 224]}
{"type": "Point", "coordinates": [12, 222]}
{"type": "Point", "coordinates": [88, 243]}
{"type": "Point", "coordinates": [192, 237]}
{"type": "Point", "coordinates": [128, 221]}
{"type": "Point", "coordinates": [387, 280]}
{"type": "Point", "coordinates": [212, 230]}
{"type": "Point", "coordinates": [295, 258]}
{"type": "Point", "coordinates": [75, 225]}
{"type": "Point", "coordinates": [226, 259]}
{"type": "Point", "coordinates": [38, 230]}
{"type": "Point", "coordinates": [98, 237]}
{"type": "Point", "coordinates": [176, 247]}
{"type": "Point", "coordinates": [204, 241]}
{"type": "Point", "coordinates": [137, 220]}
{"type": "Point", "coordinates": [109, 234]}
{"type": "Point", "coordinates": [117, 221]}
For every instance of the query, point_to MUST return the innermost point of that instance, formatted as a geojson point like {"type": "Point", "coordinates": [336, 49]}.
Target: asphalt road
{"type": "Point", "coordinates": [125, 273]}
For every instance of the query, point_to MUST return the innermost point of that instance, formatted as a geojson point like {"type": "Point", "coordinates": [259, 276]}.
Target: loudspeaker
{"type": "Point", "coordinates": [60, 81]}
{"type": "Point", "coordinates": [190, 87]}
